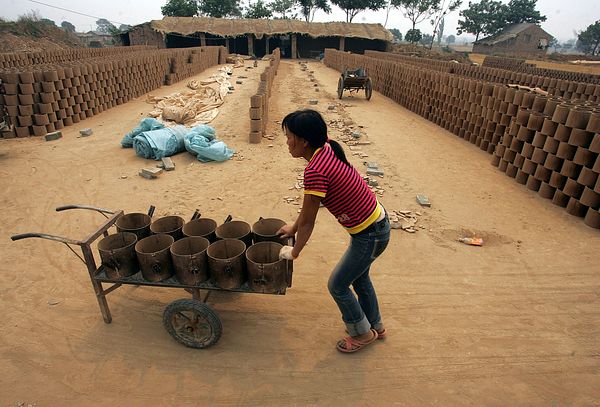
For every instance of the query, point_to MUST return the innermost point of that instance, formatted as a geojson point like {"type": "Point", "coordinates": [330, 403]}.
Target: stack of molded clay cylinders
{"type": "Point", "coordinates": [43, 98]}
{"type": "Point", "coordinates": [552, 147]}
{"type": "Point", "coordinates": [259, 102]}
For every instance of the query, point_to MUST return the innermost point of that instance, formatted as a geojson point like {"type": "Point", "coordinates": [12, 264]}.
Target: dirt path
{"type": "Point", "coordinates": [512, 323]}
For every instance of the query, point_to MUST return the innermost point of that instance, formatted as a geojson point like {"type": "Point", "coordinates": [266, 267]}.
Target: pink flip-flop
{"type": "Point", "coordinates": [350, 344]}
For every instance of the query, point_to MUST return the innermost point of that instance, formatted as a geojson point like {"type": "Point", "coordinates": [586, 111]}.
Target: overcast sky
{"type": "Point", "coordinates": [563, 16]}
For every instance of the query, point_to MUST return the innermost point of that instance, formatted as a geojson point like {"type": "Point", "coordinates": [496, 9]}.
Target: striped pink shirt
{"type": "Point", "coordinates": [345, 193]}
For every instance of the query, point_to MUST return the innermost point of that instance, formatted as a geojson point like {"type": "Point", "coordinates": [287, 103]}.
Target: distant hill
{"type": "Point", "coordinates": [29, 34]}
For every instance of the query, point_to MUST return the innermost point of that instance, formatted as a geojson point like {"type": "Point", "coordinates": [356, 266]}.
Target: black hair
{"type": "Point", "coordinates": [310, 125]}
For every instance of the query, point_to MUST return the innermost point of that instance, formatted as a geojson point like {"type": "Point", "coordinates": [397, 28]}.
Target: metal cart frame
{"type": "Point", "coordinates": [189, 334]}
{"type": "Point", "coordinates": [355, 80]}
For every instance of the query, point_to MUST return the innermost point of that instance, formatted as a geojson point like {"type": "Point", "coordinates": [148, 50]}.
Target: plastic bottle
{"type": "Point", "coordinates": [473, 241]}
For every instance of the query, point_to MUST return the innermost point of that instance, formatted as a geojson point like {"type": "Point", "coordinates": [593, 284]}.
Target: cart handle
{"type": "Point", "coordinates": [45, 236]}
{"type": "Point", "coordinates": [93, 208]}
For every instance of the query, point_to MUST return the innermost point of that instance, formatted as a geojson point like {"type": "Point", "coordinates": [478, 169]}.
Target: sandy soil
{"type": "Point", "coordinates": [515, 322]}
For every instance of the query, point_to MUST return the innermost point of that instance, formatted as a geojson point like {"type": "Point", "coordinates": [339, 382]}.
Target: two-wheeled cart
{"type": "Point", "coordinates": [191, 322]}
{"type": "Point", "coordinates": [355, 80]}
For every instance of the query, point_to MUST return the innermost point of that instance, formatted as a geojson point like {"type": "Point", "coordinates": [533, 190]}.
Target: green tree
{"type": "Point", "coordinates": [67, 26]}
{"type": "Point", "coordinates": [588, 41]}
{"type": "Point", "coordinates": [353, 7]}
{"type": "Point", "coordinates": [308, 8]}
{"type": "Point", "coordinates": [521, 11]}
{"type": "Point", "coordinates": [124, 28]}
{"type": "Point", "coordinates": [286, 8]}
{"type": "Point", "coordinates": [180, 8]}
{"type": "Point", "coordinates": [258, 10]}
{"type": "Point", "coordinates": [416, 11]}
{"type": "Point", "coordinates": [426, 39]}
{"type": "Point", "coordinates": [413, 35]}
{"type": "Point", "coordinates": [396, 33]}
{"type": "Point", "coordinates": [484, 18]}
{"type": "Point", "coordinates": [220, 8]}
{"type": "Point", "coordinates": [47, 21]}
{"type": "Point", "coordinates": [451, 39]}
{"type": "Point", "coordinates": [444, 8]}
{"type": "Point", "coordinates": [105, 26]}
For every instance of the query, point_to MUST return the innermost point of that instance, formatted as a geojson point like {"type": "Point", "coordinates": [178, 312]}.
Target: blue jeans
{"type": "Point", "coordinates": [362, 313]}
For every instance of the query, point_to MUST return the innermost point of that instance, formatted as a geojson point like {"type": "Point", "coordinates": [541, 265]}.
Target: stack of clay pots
{"type": "Point", "coordinates": [259, 102]}
{"type": "Point", "coordinates": [550, 144]}
{"type": "Point", "coordinates": [565, 84]}
{"type": "Point", "coordinates": [41, 99]}
{"type": "Point", "coordinates": [23, 59]}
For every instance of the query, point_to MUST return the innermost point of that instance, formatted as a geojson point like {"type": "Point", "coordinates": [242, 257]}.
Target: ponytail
{"type": "Point", "coordinates": [338, 151]}
{"type": "Point", "coordinates": [310, 125]}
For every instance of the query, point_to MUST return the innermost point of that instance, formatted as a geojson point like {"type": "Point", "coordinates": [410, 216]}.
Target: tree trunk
{"type": "Point", "coordinates": [387, 14]}
{"type": "Point", "coordinates": [476, 37]}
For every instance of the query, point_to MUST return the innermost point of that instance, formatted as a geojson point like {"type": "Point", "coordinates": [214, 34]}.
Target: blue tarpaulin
{"type": "Point", "coordinates": [145, 125]}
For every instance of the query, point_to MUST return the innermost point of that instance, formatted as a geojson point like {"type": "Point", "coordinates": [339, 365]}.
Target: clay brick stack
{"type": "Point", "coordinates": [550, 144]}
{"type": "Point", "coordinates": [42, 98]}
{"type": "Point", "coordinates": [569, 85]}
{"type": "Point", "coordinates": [259, 102]}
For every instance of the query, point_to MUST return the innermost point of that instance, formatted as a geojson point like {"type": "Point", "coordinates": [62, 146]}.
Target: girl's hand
{"type": "Point", "coordinates": [286, 231]}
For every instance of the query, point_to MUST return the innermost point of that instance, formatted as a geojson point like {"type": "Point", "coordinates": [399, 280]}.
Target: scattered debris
{"type": "Point", "coordinates": [356, 134]}
{"type": "Point", "coordinates": [423, 200]}
{"type": "Point", "coordinates": [168, 164]}
{"type": "Point", "coordinates": [123, 176]}
{"type": "Point", "coordinates": [313, 101]}
{"type": "Point", "coordinates": [375, 171]}
{"type": "Point", "coordinates": [473, 241]}
{"type": "Point", "coordinates": [53, 136]}
{"type": "Point", "coordinates": [86, 132]}
{"type": "Point", "coordinates": [404, 220]}
{"type": "Point", "coordinates": [239, 82]}
{"type": "Point", "coordinates": [53, 302]}
{"type": "Point", "coordinates": [331, 107]}
{"type": "Point", "coordinates": [150, 173]}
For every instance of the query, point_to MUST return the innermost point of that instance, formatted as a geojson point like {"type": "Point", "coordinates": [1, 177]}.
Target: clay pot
{"type": "Point", "coordinates": [560, 199]}
{"type": "Point", "coordinates": [584, 157]}
{"type": "Point", "coordinates": [557, 180]}
{"type": "Point", "coordinates": [521, 177]}
{"type": "Point", "coordinates": [592, 218]}
{"type": "Point", "coordinates": [533, 184]}
{"type": "Point", "coordinates": [561, 113]}
{"type": "Point", "coordinates": [578, 118]}
{"type": "Point", "coordinates": [536, 121]}
{"type": "Point", "coordinates": [570, 169]}
{"type": "Point", "coordinates": [538, 140]}
{"type": "Point", "coordinates": [563, 133]}
{"type": "Point", "coordinates": [590, 198]}
{"type": "Point", "coordinates": [594, 123]}
{"type": "Point", "coordinates": [573, 189]}
{"type": "Point", "coordinates": [566, 151]}
{"type": "Point", "coordinates": [511, 170]}
{"type": "Point", "coordinates": [546, 191]}
{"type": "Point", "coordinates": [587, 177]}
{"type": "Point", "coordinates": [542, 173]}
{"type": "Point", "coordinates": [575, 208]}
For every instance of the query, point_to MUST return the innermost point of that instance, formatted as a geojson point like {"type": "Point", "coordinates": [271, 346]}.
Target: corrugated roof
{"type": "Point", "coordinates": [259, 27]}
{"type": "Point", "coordinates": [509, 32]}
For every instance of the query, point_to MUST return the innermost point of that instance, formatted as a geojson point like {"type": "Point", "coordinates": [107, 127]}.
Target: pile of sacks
{"type": "Point", "coordinates": [151, 139]}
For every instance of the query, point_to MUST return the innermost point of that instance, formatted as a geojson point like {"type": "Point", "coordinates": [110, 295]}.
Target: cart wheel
{"type": "Point", "coordinates": [368, 89]}
{"type": "Point", "coordinates": [192, 323]}
{"type": "Point", "coordinates": [340, 88]}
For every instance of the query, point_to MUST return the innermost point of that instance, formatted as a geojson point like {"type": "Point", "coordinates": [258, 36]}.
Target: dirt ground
{"type": "Point", "coordinates": [513, 323]}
